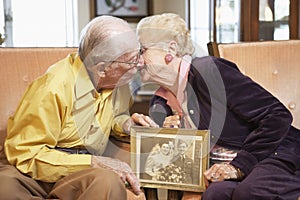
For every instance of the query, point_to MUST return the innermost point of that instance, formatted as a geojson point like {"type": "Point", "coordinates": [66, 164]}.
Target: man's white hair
{"type": "Point", "coordinates": [105, 38]}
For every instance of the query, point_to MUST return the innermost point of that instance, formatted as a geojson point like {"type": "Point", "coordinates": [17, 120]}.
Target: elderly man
{"type": "Point", "coordinates": [61, 127]}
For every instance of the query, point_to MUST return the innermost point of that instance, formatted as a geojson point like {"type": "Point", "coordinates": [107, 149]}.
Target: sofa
{"type": "Point", "coordinates": [273, 64]}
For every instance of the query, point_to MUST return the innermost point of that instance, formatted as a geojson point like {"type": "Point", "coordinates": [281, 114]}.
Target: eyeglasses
{"type": "Point", "coordinates": [133, 61]}
{"type": "Point", "coordinates": [159, 45]}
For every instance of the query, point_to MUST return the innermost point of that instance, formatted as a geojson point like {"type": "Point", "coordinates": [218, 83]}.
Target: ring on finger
{"type": "Point", "coordinates": [214, 176]}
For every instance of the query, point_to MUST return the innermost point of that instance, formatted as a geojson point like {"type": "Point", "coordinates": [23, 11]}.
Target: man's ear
{"type": "Point", "coordinates": [173, 47]}
{"type": "Point", "coordinates": [101, 66]}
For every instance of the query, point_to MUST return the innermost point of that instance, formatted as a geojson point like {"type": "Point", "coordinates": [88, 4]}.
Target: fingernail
{"type": "Point", "coordinates": [127, 184]}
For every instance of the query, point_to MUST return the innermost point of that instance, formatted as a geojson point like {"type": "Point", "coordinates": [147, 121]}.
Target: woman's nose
{"type": "Point", "coordinates": [141, 63]}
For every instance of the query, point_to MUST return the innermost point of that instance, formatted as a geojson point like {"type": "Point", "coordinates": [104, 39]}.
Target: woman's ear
{"type": "Point", "coordinates": [173, 47]}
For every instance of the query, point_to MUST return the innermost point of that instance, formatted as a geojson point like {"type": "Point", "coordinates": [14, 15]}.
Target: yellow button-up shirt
{"type": "Point", "coordinates": [62, 109]}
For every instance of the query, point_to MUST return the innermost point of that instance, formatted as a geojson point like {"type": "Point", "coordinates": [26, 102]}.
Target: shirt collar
{"type": "Point", "coordinates": [83, 84]}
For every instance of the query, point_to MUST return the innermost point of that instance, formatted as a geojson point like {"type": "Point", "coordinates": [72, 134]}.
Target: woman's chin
{"type": "Point", "coordinates": [144, 77]}
{"type": "Point", "coordinates": [122, 82]}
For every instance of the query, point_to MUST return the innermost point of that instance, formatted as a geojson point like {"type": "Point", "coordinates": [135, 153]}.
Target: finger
{"type": "Point", "coordinates": [173, 118]}
{"type": "Point", "coordinates": [155, 125]}
{"type": "Point", "coordinates": [177, 117]}
{"type": "Point", "coordinates": [211, 170]}
{"type": "Point", "coordinates": [227, 175]}
{"type": "Point", "coordinates": [171, 124]}
{"type": "Point", "coordinates": [230, 172]}
{"type": "Point", "coordinates": [150, 121]}
{"type": "Point", "coordinates": [172, 121]}
{"type": "Point", "coordinates": [143, 122]}
{"type": "Point", "coordinates": [207, 175]}
{"type": "Point", "coordinates": [176, 120]}
{"type": "Point", "coordinates": [134, 183]}
{"type": "Point", "coordinates": [211, 173]}
{"type": "Point", "coordinates": [219, 174]}
{"type": "Point", "coordinates": [138, 119]}
{"type": "Point", "coordinates": [206, 181]}
{"type": "Point", "coordinates": [123, 177]}
{"type": "Point", "coordinates": [166, 124]}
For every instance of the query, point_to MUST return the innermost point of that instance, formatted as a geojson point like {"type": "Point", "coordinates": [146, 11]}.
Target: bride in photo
{"type": "Point", "coordinates": [159, 157]}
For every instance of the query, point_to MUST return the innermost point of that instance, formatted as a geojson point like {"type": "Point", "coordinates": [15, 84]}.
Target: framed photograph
{"type": "Point", "coordinates": [170, 158]}
{"type": "Point", "coordinates": [122, 8]}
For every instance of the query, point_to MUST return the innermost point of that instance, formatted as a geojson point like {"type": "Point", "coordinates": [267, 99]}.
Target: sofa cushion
{"type": "Point", "coordinates": [273, 64]}
{"type": "Point", "coordinates": [19, 67]}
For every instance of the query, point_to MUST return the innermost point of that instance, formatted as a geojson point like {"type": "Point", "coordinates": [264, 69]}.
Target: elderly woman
{"type": "Point", "coordinates": [211, 93]}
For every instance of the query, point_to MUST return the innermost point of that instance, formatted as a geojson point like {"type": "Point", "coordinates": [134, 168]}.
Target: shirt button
{"type": "Point", "coordinates": [275, 153]}
{"type": "Point", "coordinates": [93, 129]}
{"type": "Point", "coordinates": [191, 112]}
{"type": "Point", "coordinates": [292, 105]}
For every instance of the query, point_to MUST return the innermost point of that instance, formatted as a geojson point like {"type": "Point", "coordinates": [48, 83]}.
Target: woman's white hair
{"type": "Point", "coordinates": [165, 28]}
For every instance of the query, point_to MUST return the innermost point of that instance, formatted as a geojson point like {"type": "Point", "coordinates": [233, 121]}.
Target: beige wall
{"type": "Point", "coordinates": [159, 6]}
{"type": "Point", "coordinates": [83, 13]}
{"type": "Point", "coordinates": [175, 6]}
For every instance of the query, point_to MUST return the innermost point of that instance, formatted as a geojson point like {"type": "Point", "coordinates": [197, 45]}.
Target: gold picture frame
{"type": "Point", "coordinates": [170, 158]}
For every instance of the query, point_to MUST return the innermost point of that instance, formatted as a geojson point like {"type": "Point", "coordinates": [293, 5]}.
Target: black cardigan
{"type": "Point", "coordinates": [239, 113]}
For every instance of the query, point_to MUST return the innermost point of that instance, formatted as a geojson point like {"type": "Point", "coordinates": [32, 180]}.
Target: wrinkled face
{"type": "Point", "coordinates": [165, 148]}
{"type": "Point", "coordinates": [116, 60]}
{"type": "Point", "coordinates": [155, 68]}
{"type": "Point", "coordinates": [120, 71]}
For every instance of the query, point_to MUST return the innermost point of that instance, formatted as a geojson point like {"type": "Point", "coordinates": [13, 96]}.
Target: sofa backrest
{"type": "Point", "coordinates": [273, 64]}
{"type": "Point", "coordinates": [18, 68]}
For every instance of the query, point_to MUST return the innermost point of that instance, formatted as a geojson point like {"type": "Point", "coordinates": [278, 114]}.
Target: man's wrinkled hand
{"type": "Point", "coordinates": [143, 120]}
{"type": "Point", "coordinates": [138, 119]}
{"type": "Point", "coordinates": [119, 167]}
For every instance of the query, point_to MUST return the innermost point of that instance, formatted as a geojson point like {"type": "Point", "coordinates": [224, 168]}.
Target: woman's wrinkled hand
{"type": "Point", "coordinates": [119, 167]}
{"type": "Point", "coordinates": [220, 172]}
{"type": "Point", "coordinates": [172, 121]}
